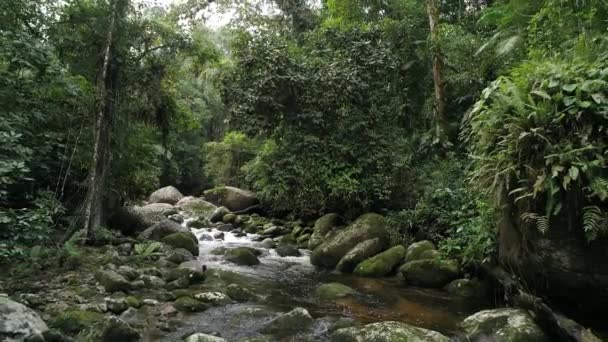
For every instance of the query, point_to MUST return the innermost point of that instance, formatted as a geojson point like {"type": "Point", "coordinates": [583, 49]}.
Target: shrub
{"type": "Point", "coordinates": [225, 159]}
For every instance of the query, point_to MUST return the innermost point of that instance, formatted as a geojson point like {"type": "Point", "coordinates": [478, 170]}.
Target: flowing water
{"type": "Point", "coordinates": [284, 283]}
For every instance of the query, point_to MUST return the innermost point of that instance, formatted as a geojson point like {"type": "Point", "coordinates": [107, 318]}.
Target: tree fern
{"type": "Point", "coordinates": [595, 222]}
{"type": "Point", "coordinates": [541, 222]}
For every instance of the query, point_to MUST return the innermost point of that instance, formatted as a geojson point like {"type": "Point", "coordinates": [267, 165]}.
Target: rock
{"type": "Point", "coordinates": [112, 281]}
{"type": "Point", "coordinates": [180, 255]}
{"type": "Point", "coordinates": [322, 226]}
{"type": "Point", "coordinates": [183, 240]}
{"type": "Point", "coordinates": [293, 321]}
{"type": "Point", "coordinates": [135, 219]}
{"type": "Point", "coordinates": [333, 291]}
{"type": "Point", "coordinates": [199, 223]}
{"type": "Point", "coordinates": [152, 271]}
{"type": "Point", "coordinates": [196, 270]}
{"type": "Point", "coordinates": [162, 229]}
{"type": "Point", "coordinates": [303, 240]}
{"type": "Point", "coordinates": [115, 329]}
{"type": "Point", "coordinates": [189, 304]}
{"type": "Point", "coordinates": [430, 254]}
{"type": "Point", "coordinates": [73, 321]}
{"type": "Point", "coordinates": [116, 305]}
{"type": "Point", "coordinates": [168, 310]}
{"type": "Point", "coordinates": [504, 324]}
{"type": "Point", "coordinates": [224, 227]}
{"type": "Point", "coordinates": [213, 298]}
{"type": "Point", "coordinates": [368, 226]}
{"type": "Point", "coordinates": [470, 288]}
{"type": "Point", "coordinates": [360, 252]}
{"type": "Point", "coordinates": [150, 302]}
{"type": "Point", "coordinates": [267, 243]}
{"type": "Point", "coordinates": [18, 321]}
{"type": "Point", "coordinates": [152, 282]}
{"type": "Point", "coordinates": [272, 231]}
{"type": "Point", "coordinates": [218, 214]}
{"type": "Point", "coordinates": [219, 251]}
{"type": "Point", "coordinates": [429, 272]}
{"type": "Point", "coordinates": [205, 237]}
{"type": "Point", "coordinates": [177, 218]}
{"type": "Point", "coordinates": [134, 302]}
{"type": "Point", "coordinates": [167, 194]}
{"type": "Point", "coordinates": [128, 272]}
{"type": "Point", "coordinates": [415, 251]}
{"type": "Point", "coordinates": [234, 199]}
{"type": "Point", "coordinates": [288, 250]}
{"type": "Point", "coordinates": [382, 264]}
{"type": "Point", "coordinates": [387, 332]}
{"type": "Point", "coordinates": [239, 294]}
{"type": "Point", "coordinates": [194, 206]}
{"type": "Point", "coordinates": [199, 337]}
{"type": "Point", "coordinates": [242, 256]}
{"type": "Point", "coordinates": [229, 218]}
{"type": "Point", "coordinates": [138, 285]}
{"type": "Point", "coordinates": [219, 236]}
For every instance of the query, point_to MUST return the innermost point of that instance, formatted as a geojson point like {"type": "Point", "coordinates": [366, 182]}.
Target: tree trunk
{"type": "Point", "coordinates": [93, 205]}
{"type": "Point", "coordinates": [440, 106]}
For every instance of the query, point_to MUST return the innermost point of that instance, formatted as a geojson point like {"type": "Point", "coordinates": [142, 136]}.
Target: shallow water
{"type": "Point", "coordinates": [284, 283]}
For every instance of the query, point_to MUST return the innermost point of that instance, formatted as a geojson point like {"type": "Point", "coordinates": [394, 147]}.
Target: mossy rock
{"type": "Point", "coordinates": [387, 332]}
{"type": "Point", "coordinates": [468, 288]}
{"type": "Point", "coordinates": [430, 272]}
{"type": "Point", "coordinates": [504, 324]}
{"type": "Point", "coordinates": [189, 304]}
{"type": "Point", "coordinates": [382, 264]}
{"type": "Point", "coordinates": [112, 330]}
{"type": "Point", "coordinates": [359, 253]}
{"type": "Point", "coordinates": [333, 291]}
{"type": "Point", "coordinates": [112, 281]}
{"type": "Point", "coordinates": [322, 226]}
{"type": "Point", "coordinates": [73, 321]}
{"type": "Point", "coordinates": [416, 250]}
{"type": "Point", "coordinates": [239, 294]}
{"type": "Point", "coordinates": [134, 302]}
{"type": "Point", "coordinates": [242, 256]}
{"type": "Point", "coordinates": [183, 240]}
{"type": "Point", "coordinates": [229, 218]}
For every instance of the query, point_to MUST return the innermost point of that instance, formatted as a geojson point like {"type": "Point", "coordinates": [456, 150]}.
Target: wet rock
{"type": "Point", "coordinates": [219, 236]}
{"type": "Point", "coordinates": [386, 332]}
{"type": "Point", "coordinates": [18, 321]}
{"type": "Point", "coordinates": [73, 321]}
{"type": "Point", "coordinates": [333, 291]}
{"type": "Point", "coordinates": [199, 223]}
{"type": "Point", "coordinates": [205, 237]}
{"type": "Point", "coordinates": [180, 283]}
{"type": "Point", "coordinates": [430, 254]}
{"type": "Point", "coordinates": [199, 337]}
{"type": "Point", "coordinates": [162, 229]}
{"type": "Point", "coordinates": [429, 272]}
{"type": "Point", "coordinates": [135, 219]}
{"type": "Point", "coordinates": [167, 194]}
{"type": "Point", "coordinates": [180, 255]}
{"type": "Point", "coordinates": [239, 294]}
{"type": "Point", "coordinates": [242, 256]}
{"type": "Point", "coordinates": [218, 251]}
{"type": "Point", "coordinates": [293, 321]}
{"type": "Point", "coordinates": [360, 252]}
{"type": "Point", "coordinates": [152, 282]}
{"type": "Point", "coordinates": [128, 272]}
{"type": "Point", "coordinates": [164, 296]}
{"type": "Point", "coordinates": [415, 251]}
{"type": "Point", "coordinates": [368, 226]}
{"type": "Point", "coordinates": [183, 240]}
{"type": "Point", "coordinates": [267, 243]}
{"type": "Point", "coordinates": [229, 218]}
{"type": "Point", "coordinates": [382, 264]}
{"type": "Point", "coordinates": [196, 270]}
{"type": "Point", "coordinates": [195, 206]}
{"type": "Point", "coordinates": [234, 199]}
{"type": "Point", "coordinates": [303, 240]}
{"type": "Point", "coordinates": [189, 304]}
{"type": "Point", "coordinates": [138, 285]}
{"type": "Point", "coordinates": [168, 310]}
{"type": "Point", "coordinates": [112, 281]}
{"type": "Point", "coordinates": [213, 298]}
{"type": "Point", "coordinates": [116, 305]}
{"type": "Point", "coordinates": [32, 300]}
{"type": "Point", "coordinates": [272, 231]}
{"type": "Point", "coordinates": [504, 324]}
{"type": "Point", "coordinates": [151, 271]}
{"type": "Point", "coordinates": [115, 329]}
{"type": "Point", "coordinates": [177, 218]}
{"type": "Point", "coordinates": [223, 227]}
{"type": "Point", "coordinates": [469, 288]}
{"type": "Point", "coordinates": [133, 302]}
{"type": "Point", "coordinates": [288, 250]}
{"type": "Point", "coordinates": [322, 227]}
{"type": "Point", "coordinates": [218, 214]}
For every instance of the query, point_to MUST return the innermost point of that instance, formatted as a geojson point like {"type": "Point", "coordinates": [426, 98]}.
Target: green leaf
{"type": "Point", "coordinates": [569, 87]}
{"type": "Point", "coordinates": [568, 101]}
{"type": "Point", "coordinates": [542, 94]}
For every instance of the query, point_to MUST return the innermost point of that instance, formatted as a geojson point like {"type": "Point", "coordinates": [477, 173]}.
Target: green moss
{"type": "Point", "coordinates": [189, 304]}
{"type": "Point", "coordinates": [182, 240]}
{"type": "Point", "coordinates": [134, 301]}
{"type": "Point", "coordinates": [381, 264]}
{"type": "Point", "coordinates": [72, 322]}
{"type": "Point", "coordinates": [333, 291]}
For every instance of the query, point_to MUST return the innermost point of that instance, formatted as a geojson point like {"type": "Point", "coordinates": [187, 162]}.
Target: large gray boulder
{"type": "Point", "coordinates": [162, 229]}
{"type": "Point", "coordinates": [167, 194]}
{"type": "Point", "coordinates": [430, 272]}
{"type": "Point", "coordinates": [387, 332]}
{"type": "Point", "coordinates": [134, 219]}
{"type": "Point", "coordinates": [195, 206]}
{"type": "Point", "coordinates": [362, 251]}
{"type": "Point", "coordinates": [322, 227]}
{"type": "Point", "coordinates": [503, 324]}
{"type": "Point", "coordinates": [234, 199]}
{"type": "Point", "coordinates": [17, 321]}
{"type": "Point", "coordinates": [368, 226]}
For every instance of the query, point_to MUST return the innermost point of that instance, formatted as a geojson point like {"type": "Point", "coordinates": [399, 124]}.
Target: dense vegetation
{"type": "Point", "coordinates": [341, 106]}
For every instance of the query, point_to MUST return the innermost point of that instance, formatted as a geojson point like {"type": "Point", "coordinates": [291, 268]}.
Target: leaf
{"type": "Point", "coordinates": [598, 98]}
{"type": "Point", "coordinates": [542, 94]}
{"type": "Point", "coordinates": [568, 101]}
{"type": "Point", "coordinates": [508, 45]}
{"type": "Point", "coordinates": [569, 87]}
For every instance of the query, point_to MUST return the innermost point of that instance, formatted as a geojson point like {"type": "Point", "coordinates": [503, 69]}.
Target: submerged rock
{"type": "Point", "coordinates": [382, 264]}
{"type": "Point", "coordinates": [293, 321]}
{"type": "Point", "coordinates": [368, 226]}
{"type": "Point", "coordinates": [242, 256]}
{"type": "Point", "coordinates": [234, 199]}
{"type": "Point", "coordinates": [430, 272]}
{"type": "Point", "coordinates": [18, 321]}
{"type": "Point", "coordinates": [360, 252]}
{"type": "Point", "coordinates": [333, 291]}
{"type": "Point", "coordinates": [200, 337]}
{"type": "Point", "coordinates": [322, 226]}
{"type": "Point", "coordinates": [167, 194]}
{"type": "Point", "coordinates": [504, 324]}
{"type": "Point", "coordinates": [387, 332]}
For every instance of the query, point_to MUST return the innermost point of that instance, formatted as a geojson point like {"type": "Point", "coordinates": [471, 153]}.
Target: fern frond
{"type": "Point", "coordinates": [595, 222]}
{"type": "Point", "coordinates": [542, 222]}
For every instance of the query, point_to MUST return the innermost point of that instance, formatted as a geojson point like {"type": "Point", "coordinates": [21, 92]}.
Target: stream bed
{"type": "Point", "coordinates": [284, 283]}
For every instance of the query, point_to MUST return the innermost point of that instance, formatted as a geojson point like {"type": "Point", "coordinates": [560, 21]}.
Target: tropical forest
{"type": "Point", "coordinates": [303, 170]}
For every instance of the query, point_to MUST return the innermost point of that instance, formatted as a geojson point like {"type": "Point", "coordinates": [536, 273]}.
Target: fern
{"type": "Point", "coordinates": [599, 188]}
{"type": "Point", "coordinates": [541, 222]}
{"type": "Point", "coordinates": [595, 222]}
{"type": "Point", "coordinates": [147, 249]}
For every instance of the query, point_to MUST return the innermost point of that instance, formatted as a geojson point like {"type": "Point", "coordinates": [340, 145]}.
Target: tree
{"type": "Point", "coordinates": [440, 107]}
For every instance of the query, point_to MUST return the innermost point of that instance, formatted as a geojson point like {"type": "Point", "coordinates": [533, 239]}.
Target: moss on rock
{"type": "Point", "coordinates": [381, 264]}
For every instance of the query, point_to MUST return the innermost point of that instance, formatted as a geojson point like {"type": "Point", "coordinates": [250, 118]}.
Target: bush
{"type": "Point", "coordinates": [225, 159]}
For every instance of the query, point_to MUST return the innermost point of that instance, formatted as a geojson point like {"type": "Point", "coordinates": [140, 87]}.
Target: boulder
{"type": "Point", "coordinates": [180, 255]}
{"type": "Point", "coordinates": [503, 324]}
{"type": "Point", "coordinates": [293, 321]}
{"type": "Point", "coordinates": [360, 252]}
{"type": "Point", "coordinates": [116, 305]}
{"type": "Point", "coordinates": [205, 237]}
{"type": "Point", "coordinates": [387, 332]}
{"type": "Point", "coordinates": [115, 329]}
{"type": "Point", "coordinates": [416, 250]}
{"type": "Point", "coordinates": [18, 321]}
{"type": "Point", "coordinates": [128, 272]}
{"type": "Point", "coordinates": [73, 321]}
{"type": "Point", "coordinates": [213, 298]}
{"type": "Point", "coordinates": [368, 226]}
{"type": "Point", "coordinates": [161, 229]}
{"type": "Point", "coordinates": [152, 282]}
{"type": "Point", "coordinates": [219, 236]}
{"type": "Point", "coordinates": [167, 194]}
{"type": "Point", "coordinates": [199, 337]}
{"type": "Point", "coordinates": [382, 264]}
{"type": "Point", "coordinates": [112, 281]}
{"type": "Point", "coordinates": [195, 206]}
{"type": "Point", "coordinates": [322, 226]}
{"type": "Point", "coordinates": [183, 240]}
{"type": "Point", "coordinates": [134, 219]}
{"type": "Point", "coordinates": [430, 272]}
{"type": "Point", "coordinates": [288, 250]}
{"type": "Point", "coordinates": [239, 294]}
{"type": "Point", "coordinates": [234, 199]}
{"type": "Point", "coordinates": [242, 256]}
{"type": "Point", "coordinates": [189, 304]}
{"type": "Point", "coordinates": [469, 288]}
{"type": "Point", "coordinates": [218, 214]}
{"type": "Point", "coordinates": [333, 291]}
